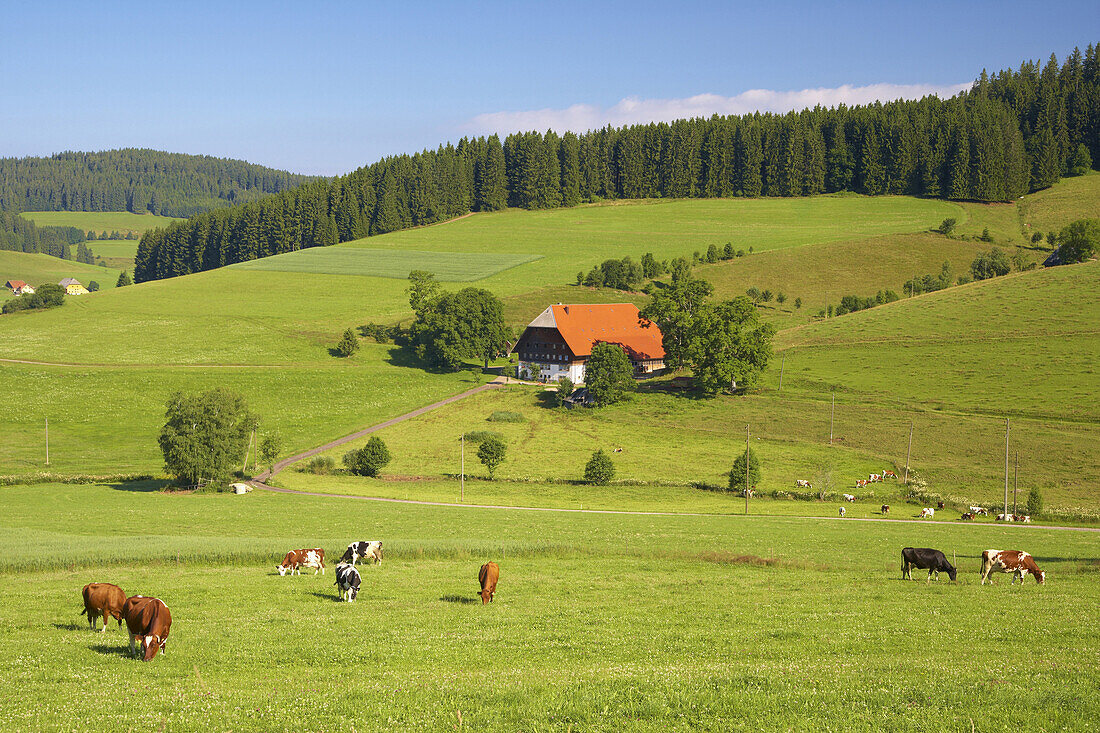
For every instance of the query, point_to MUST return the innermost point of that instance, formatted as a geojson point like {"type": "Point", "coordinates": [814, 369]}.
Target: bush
{"type": "Point", "coordinates": [93, 287]}
{"type": "Point", "coordinates": [797, 303]}
{"type": "Point", "coordinates": [123, 279]}
{"type": "Point", "coordinates": [781, 298]}
{"type": "Point", "coordinates": [565, 388]}
{"type": "Point", "coordinates": [1079, 241]}
{"type": "Point", "coordinates": [506, 416]}
{"type": "Point", "coordinates": [1081, 162]}
{"type": "Point", "coordinates": [986, 237]}
{"type": "Point", "coordinates": [712, 254]}
{"type": "Point", "coordinates": [737, 473]}
{"type": "Point", "coordinates": [947, 226]}
{"type": "Point", "coordinates": [349, 344]}
{"type": "Point", "coordinates": [728, 252]}
{"type": "Point", "coordinates": [993, 263]}
{"type": "Point", "coordinates": [600, 469]}
{"type": "Point", "coordinates": [1034, 503]}
{"type": "Point", "coordinates": [480, 436]}
{"type": "Point", "coordinates": [321, 465]}
{"type": "Point", "coordinates": [368, 460]}
{"type": "Point", "coordinates": [47, 295]}
{"type": "Point", "coordinates": [491, 453]}
{"type": "Point", "coordinates": [1037, 237]}
{"type": "Point", "coordinates": [609, 374]}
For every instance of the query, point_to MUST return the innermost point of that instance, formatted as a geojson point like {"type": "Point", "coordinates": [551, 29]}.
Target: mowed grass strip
{"type": "Point", "coordinates": [602, 623]}
{"type": "Point", "coordinates": [338, 260]}
{"type": "Point", "coordinates": [100, 221]}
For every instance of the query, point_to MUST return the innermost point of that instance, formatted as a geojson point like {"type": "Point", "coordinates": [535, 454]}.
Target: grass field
{"type": "Point", "coordinates": [117, 253]}
{"type": "Point", "coordinates": [1069, 200]}
{"type": "Point", "coordinates": [448, 267]}
{"type": "Point", "coordinates": [99, 221]}
{"type": "Point", "coordinates": [38, 268]}
{"type": "Point", "coordinates": [601, 622]}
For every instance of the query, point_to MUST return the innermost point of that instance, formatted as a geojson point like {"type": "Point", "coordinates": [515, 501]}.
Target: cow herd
{"type": "Point", "coordinates": [1017, 562]}
{"type": "Point", "coordinates": [147, 619]}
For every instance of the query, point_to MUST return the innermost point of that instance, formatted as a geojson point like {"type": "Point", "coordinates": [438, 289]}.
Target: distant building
{"type": "Point", "coordinates": [558, 343]}
{"type": "Point", "coordinates": [19, 287]}
{"type": "Point", "coordinates": [73, 287]}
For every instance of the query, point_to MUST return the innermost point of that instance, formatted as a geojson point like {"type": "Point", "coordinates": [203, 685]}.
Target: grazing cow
{"type": "Point", "coordinates": [1004, 518]}
{"type": "Point", "coordinates": [488, 576]}
{"type": "Point", "coordinates": [978, 510]}
{"type": "Point", "coordinates": [849, 497]}
{"type": "Point", "coordinates": [348, 581]}
{"type": "Point", "coordinates": [926, 513]}
{"type": "Point", "coordinates": [363, 550]}
{"type": "Point", "coordinates": [843, 511]}
{"type": "Point", "coordinates": [928, 559]}
{"type": "Point", "coordinates": [886, 473]}
{"type": "Point", "coordinates": [861, 483]}
{"type": "Point", "coordinates": [803, 484]}
{"type": "Point", "coordinates": [1017, 562]}
{"type": "Point", "coordinates": [885, 509]}
{"type": "Point", "coordinates": [147, 619]}
{"type": "Point", "coordinates": [309, 558]}
{"type": "Point", "coordinates": [103, 599]}
{"type": "Point", "coordinates": [873, 477]}
{"type": "Point", "coordinates": [940, 505]}
{"type": "Point", "coordinates": [968, 516]}
{"type": "Point", "coordinates": [1025, 518]}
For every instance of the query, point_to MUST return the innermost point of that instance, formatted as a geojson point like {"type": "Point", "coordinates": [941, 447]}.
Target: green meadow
{"type": "Point", "coordinates": [36, 269]}
{"type": "Point", "coordinates": [448, 267]}
{"type": "Point", "coordinates": [117, 253]}
{"type": "Point", "coordinates": [99, 221]}
{"type": "Point", "coordinates": [600, 622]}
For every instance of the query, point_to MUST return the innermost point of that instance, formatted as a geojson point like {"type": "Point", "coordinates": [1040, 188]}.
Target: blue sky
{"type": "Point", "coordinates": [325, 87]}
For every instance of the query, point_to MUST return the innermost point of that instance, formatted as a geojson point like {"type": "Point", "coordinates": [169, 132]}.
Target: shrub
{"type": "Point", "coordinates": [728, 252]}
{"type": "Point", "coordinates": [1037, 237]}
{"type": "Point", "coordinates": [1034, 503]}
{"type": "Point", "coordinates": [993, 263]}
{"type": "Point", "coordinates": [766, 296]}
{"type": "Point", "coordinates": [712, 254]}
{"type": "Point", "coordinates": [349, 344]}
{"type": "Point", "coordinates": [1079, 241]}
{"type": "Point", "coordinates": [609, 374]}
{"type": "Point", "coordinates": [947, 226]}
{"type": "Point", "coordinates": [368, 460]}
{"type": "Point", "coordinates": [93, 287]}
{"type": "Point", "coordinates": [565, 388]}
{"type": "Point", "coordinates": [123, 279]}
{"type": "Point", "coordinates": [600, 469]}
{"type": "Point", "coordinates": [797, 303]}
{"type": "Point", "coordinates": [986, 236]}
{"type": "Point", "coordinates": [480, 436]}
{"type": "Point", "coordinates": [491, 453]}
{"type": "Point", "coordinates": [1081, 162]}
{"type": "Point", "coordinates": [506, 416]}
{"type": "Point", "coordinates": [321, 465]}
{"type": "Point", "coordinates": [737, 473]}
{"type": "Point", "coordinates": [781, 298]}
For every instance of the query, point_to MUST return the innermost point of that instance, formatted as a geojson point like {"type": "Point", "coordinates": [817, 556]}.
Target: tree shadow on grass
{"type": "Point", "coordinates": [146, 485]}
{"type": "Point", "coordinates": [463, 600]}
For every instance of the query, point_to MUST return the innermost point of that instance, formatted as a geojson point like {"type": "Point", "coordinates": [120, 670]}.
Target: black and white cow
{"type": "Point", "coordinates": [347, 580]}
{"type": "Point", "coordinates": [363, 550]}
{"type": "Point", "coordinates": [925, 558]}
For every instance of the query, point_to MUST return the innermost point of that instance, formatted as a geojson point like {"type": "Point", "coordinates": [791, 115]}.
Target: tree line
{"type": "Point", "coordinates": [22, 235]}
{"type": "Point", "coordinates": [1012, 133]}
{"type": "Point", "coordinates": [137, 180]}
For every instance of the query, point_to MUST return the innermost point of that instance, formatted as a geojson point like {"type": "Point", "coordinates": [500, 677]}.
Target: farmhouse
{"type": "Point", "coordinates": [73, 287]}
{"type": "Point", "coordinates": [18, 287]}
{"type": "Point", "coordinates": [559, 341]}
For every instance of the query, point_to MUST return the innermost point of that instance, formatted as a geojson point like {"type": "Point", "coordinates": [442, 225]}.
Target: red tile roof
{"type": "Point", "coordinates": [583, 325]}
{"type": "Point", "coordinates": [13, 284]}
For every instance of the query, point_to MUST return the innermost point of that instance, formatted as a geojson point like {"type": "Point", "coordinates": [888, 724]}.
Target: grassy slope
{"type": "Point", "coordinates": [601, 622]}
{"type": "Point", "coordinates": [37, 269]}
{"type": "Point", "coordinates": [99, 221]}
{"type": "Point", "coordinates": [1069, 200]}
{"type": "Point", "coordinates": [117, 253]}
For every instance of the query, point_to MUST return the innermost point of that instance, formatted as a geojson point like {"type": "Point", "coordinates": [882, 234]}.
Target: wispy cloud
{"type": "Point", "coordinates": [632, 110]}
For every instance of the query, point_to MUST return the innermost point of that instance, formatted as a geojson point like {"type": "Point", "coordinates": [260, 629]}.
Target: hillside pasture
{"type": "Point", "coordinates": [99, 221]}
{"type": "Point", "coordinates": [117, 253]}
{"type": "Point", "coordinates": [447, 267]}
{"type": "Point", "coordinates": [794, 622]}
{"type": "Point", "coordinates": [1068, 200]}
{"type": "Point", "coordinates": [35, 269]}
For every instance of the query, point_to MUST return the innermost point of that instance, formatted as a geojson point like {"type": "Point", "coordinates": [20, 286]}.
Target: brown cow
{"type": "Point", "coordinates": [147, 619]}
{"type": "Point", "coordinates": [968, 516]}
{"type": "Point", "coordinates": [885, 509]}
{"type": "Point", "coordinates": [103, 599]}
{"type": "Point", "coordinates": [488, 576]}
{"type": "Point", "coordinates": [309, 558]}
{"type": "Point", "coordinates": [1017, 562]}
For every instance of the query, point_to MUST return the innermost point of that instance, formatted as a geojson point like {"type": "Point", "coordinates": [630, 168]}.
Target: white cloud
{"type": "Point", "coordinates": [632, 110]}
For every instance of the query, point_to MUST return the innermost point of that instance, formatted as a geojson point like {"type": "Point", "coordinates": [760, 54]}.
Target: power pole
{"type": "Point", "coordinates": [462, 475]}
{"type": "Point", "coordinates": [832, 412]}
{"type": "Point", "coordinates": [47, 441]}
{"type": "Point", "coordinates": [1015, 481]}
{"type": "Point", "coordinates": [908, 453]}
{"type": "Point", "coordinates": [746, 470]}
{"type": "Point", "coordinates": [782, 362]}
{"type": "Point", "coordinates": [1006, 465]}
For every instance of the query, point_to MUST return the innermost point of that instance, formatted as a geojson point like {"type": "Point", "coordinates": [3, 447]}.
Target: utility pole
{"type": "Point", "coordinates": [908, 453]}
{"type": "Point", "coordinates": [47, 441]}
{"type": "Point", "coordinates": [1015, 482]}
{"type": "Point", "coordinates": [832, 412]}
{"type": "Point", "coordinates": [746, 470]}
{"type": "Point", "coordinates": [782, 363]}
{"type": "Point", "coordinates": [1006, 465]}
{"type": "Point", "coordinates": [462, 475]}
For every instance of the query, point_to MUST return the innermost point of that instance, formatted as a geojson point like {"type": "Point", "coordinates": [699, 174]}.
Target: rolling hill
{"type": "Point", "coordinates": [38, 268]}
